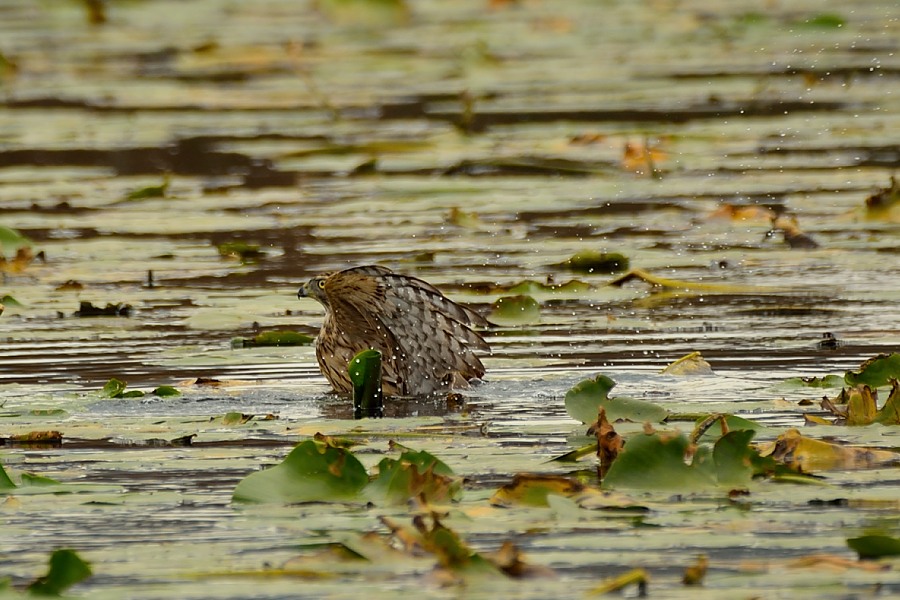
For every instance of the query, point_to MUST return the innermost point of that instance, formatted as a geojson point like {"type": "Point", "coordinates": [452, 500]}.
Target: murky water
{"type": "Point", "coordinates": [473, 144]}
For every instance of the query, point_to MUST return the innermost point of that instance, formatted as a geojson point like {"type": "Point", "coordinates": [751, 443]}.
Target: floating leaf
{"type": "Point", "coordinates": [689, 364]}
{"type": "Point", "coordinates": [656, 461]}
{"type": "Point", "coordinates": [150, 191]}
{"type": "Point", "coordinates": [515, 310]}
{"type": "Point", "coordinates": [593, 261]}
{"type": "Point", "coordinates": [823, 21]}
{"type": "Point", "coordinates": [807, 454]}
{"type": "Point", "coordinates": [875, 546]}
{"type": "Point", "coordinates": [829, 381]}
{"type": "Point", "coordinates": [694, 574]}
{"type": "Point", "coordinates": [113, 388]}
{"type": "Point", "coordinates": [876, 371]}
{"type": "Point", "coordinates": [11, 240]}
{"type": "Point", "coordinates": [166, 391]}
{"type": "Point", "coordinates": [415, 474]}
{"type": "Point", "coordinates": [678, 284]}
{"type": "Point", "coordinates": [241, 251]}
{"type": "Point", "coordinates": [10, 302]}
{"type": "Point", "coordinates": [312, 472]}
{"type": "Point", "coordinates": [274, 338]}
{"type": "Point", "coordinates": [733, 458]}
{"type": "Point", "coordinates": [532, 490]}
{"type": "Point", "coordinates": [66, 569]}
{"type": "Point", "coordinates": [705, 429]}
{"type": "Point", "coordinates": [890, 412]}
{"type": "Point", "coordinates": [861, 405]}
{"type": "Point", "coordinates": [236, 418]}
{"type": "Point", "coordinates": [636, 577]}
{"type": "Point", "coordinates": [530, 287]}
{"type": "Point", "coordinates": [584, 400]}
{"type": "Point", "coordinates": [6, 483]}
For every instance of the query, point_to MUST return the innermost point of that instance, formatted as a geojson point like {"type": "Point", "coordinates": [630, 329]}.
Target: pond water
{"type": "Point", "coordinates": [476, 145]}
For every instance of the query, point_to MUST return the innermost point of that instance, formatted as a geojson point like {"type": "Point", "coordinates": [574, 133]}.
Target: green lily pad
{"type": "Point", "coordinates": [413, 475]}
{"type": "Point", "coordinates": [876, 371]}
{"type": "Point", "coordinates": [312, 472]}
{"type": "Point", "coordinates": [656, 461]}
{"type": "Point", "coordinates": [890, 412]}
{"type": "Point", "coordinates": [113, 388]}
{"type": "Point", "coordinates": [875, 546]}
{"type": "Point", "coordinates": [585, 399]}
{"type": "Point", "coordinates": [11, 240]}
{"type": "Point", "coordinates": [150, 191]}
{"type": "Point", "coordinates": [592, 261]}
{"type": "Point", "coordinates": [66, 569]}
{"type": "Point", "coordinates": [829, 381]}
{"type": "Point", "coordinates": [6, 483]}
{"type": "Point", "coordinates": [515, 310]}
{"type": "Point", "coordinates": [274, 338]}
{"type": "Point", "coordinates": [166, 391]}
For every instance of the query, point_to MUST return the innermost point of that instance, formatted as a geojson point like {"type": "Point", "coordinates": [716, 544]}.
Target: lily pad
{"type": "Point", "coordinates": [875, 546]}
{"type": "Point", "coordinates": [415, 474]}
{"type": "Point", "coordinates": [876, 371]}
{"type": "Point", "coordinates": [274, 338]}
{"type": "Point", "coordinates": [66, 569]}
{"type": "Point", "coordinates": [584, 400]}
{"type": "Point", "coordinates": [312, 472]}
{"type": "Point", "coordinates": [656, 461]}
{"type": "Point", "coordinates": [593, 261]}
{"type": "Point", "coordinates": [515, 310]}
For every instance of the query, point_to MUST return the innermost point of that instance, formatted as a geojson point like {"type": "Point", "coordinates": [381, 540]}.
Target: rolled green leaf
{"type": "Point", "coordinates": [365, 375]}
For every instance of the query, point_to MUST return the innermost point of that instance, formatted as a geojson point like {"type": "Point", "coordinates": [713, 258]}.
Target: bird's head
{"type": "Point", "coordinates": [315, 289]}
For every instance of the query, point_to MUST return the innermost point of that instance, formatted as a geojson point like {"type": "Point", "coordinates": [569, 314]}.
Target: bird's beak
{"type": "Point", "coordinates": [303, 292]}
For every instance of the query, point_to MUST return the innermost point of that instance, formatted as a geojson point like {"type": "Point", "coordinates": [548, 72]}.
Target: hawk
{"type": "Point", "coordinates": [426, 340]}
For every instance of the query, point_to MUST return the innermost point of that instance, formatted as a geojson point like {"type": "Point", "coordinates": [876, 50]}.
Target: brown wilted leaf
{"type": "Point", "coordinates": [509, 560]}
{"type": "Point", "coordinates": [531, 489]}
{"type": "Point", "coordinates": [806, 454]}
{"type": "Point", "coordinates": [24, 256]}
{"type": "Point", "coordinates": [38, 437]}
{"type": "Point", "coordinates": [642, 157]}
{"type": "Point", "coordinates": [754, 213]}
{"type": "Point", "coordinates": [694, 574]}
{"type": "Point", "coordinates": [609, 442]}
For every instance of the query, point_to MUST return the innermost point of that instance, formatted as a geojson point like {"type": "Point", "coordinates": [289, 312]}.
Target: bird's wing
{"type": "Point", "coordinates": [356, 298]}
{"type": "Point", "coordinates": [423, 336]}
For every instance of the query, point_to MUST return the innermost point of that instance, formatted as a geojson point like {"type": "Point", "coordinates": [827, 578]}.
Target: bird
{"type": "Point", "coordinates": [427, 341]}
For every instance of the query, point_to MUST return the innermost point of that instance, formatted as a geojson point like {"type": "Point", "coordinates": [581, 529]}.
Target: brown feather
{"type": "Point", "coordinates": [426, 340]}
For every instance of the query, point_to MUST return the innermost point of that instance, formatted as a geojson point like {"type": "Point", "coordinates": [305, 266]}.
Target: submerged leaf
{"type": "Point", "coordinates": [66, 569]}
{"type": "Point", "coordinates": [312, 472]}
{"type": "Point", "coordinates": [584, 400]}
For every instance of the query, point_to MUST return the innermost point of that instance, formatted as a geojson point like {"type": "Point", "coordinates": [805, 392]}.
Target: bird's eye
{"type": "Point", "coordinates": [321, 284]}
